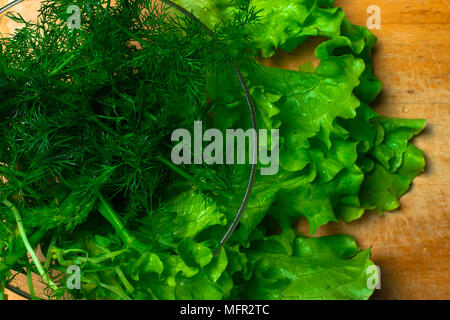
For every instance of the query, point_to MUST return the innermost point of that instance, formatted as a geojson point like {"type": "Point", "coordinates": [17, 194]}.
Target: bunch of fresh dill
{"type": "Point", "coordinates": [85, 122]}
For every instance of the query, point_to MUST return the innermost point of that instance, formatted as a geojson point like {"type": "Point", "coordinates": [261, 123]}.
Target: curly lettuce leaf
{"type": "Point", "coordinates": [309, 103]}
{"type": "Point", "coordinates": [282, 24]}
{"type": "Point", "coordinates": [310, 269]}
{"type": "Point", "coordinates": [382, 189]}
{"type": "Point", "coordinates": [319, 203]}
{"type": "Point", "coordinates": [287, 24]}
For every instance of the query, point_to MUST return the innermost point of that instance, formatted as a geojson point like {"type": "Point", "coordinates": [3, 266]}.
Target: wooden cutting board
{"type": "Point", "coordinates": [412, 58]}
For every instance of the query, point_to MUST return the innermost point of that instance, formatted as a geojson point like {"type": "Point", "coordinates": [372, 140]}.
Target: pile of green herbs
{"type": "Point", "coordinates": [85, 123]}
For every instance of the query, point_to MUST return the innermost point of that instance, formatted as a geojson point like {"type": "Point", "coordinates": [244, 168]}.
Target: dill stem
{"type": "Point", "coordinates": [124, 280]}
{"type": "Point", "coordinates": [30, 250]}
{"type": "Point", "coordinates": [2, 292]}
{"type": "Point", "coordinates": [59, 68]}
{"type": "Point", "coordinates": [30, 282]}
{"type": "Point", "coordinates": [48, 258]}
{"type": "Point", "coordinates": [11, 258]}
{"type": "Point", "coordinates": [201, 184]}
{"type": "Point", "coordinates": [115, 290]}
{"type": "Point", "coordinates": [109, 214]}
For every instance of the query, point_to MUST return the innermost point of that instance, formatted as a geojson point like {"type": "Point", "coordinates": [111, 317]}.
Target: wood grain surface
{"type": "Point", "coordinates": [412, 58]}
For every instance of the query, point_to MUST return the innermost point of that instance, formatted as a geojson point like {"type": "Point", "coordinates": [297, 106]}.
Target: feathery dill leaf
{"type": "Point", "coordinates": [89, 112]}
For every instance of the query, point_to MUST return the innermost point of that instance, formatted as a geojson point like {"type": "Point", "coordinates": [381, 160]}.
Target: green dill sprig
{"type": "Point", "coordinates": [85, 120]}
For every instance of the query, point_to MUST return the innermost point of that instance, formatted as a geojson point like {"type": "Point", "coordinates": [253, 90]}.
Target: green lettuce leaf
{"type": "Point", "coordinates": [382, 189]}
{"type": "Point", "coordinates": [282, 24]}
{"type": "Point", "coordinates": [315, 268]}
{"type": "Point", "coordinates": [309, 103]}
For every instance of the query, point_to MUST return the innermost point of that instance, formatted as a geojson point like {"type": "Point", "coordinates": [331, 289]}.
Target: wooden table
{"type": "Point", "coordinates": [412, 245]}
{"type": "Point", "coordinates": [412, 58]}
